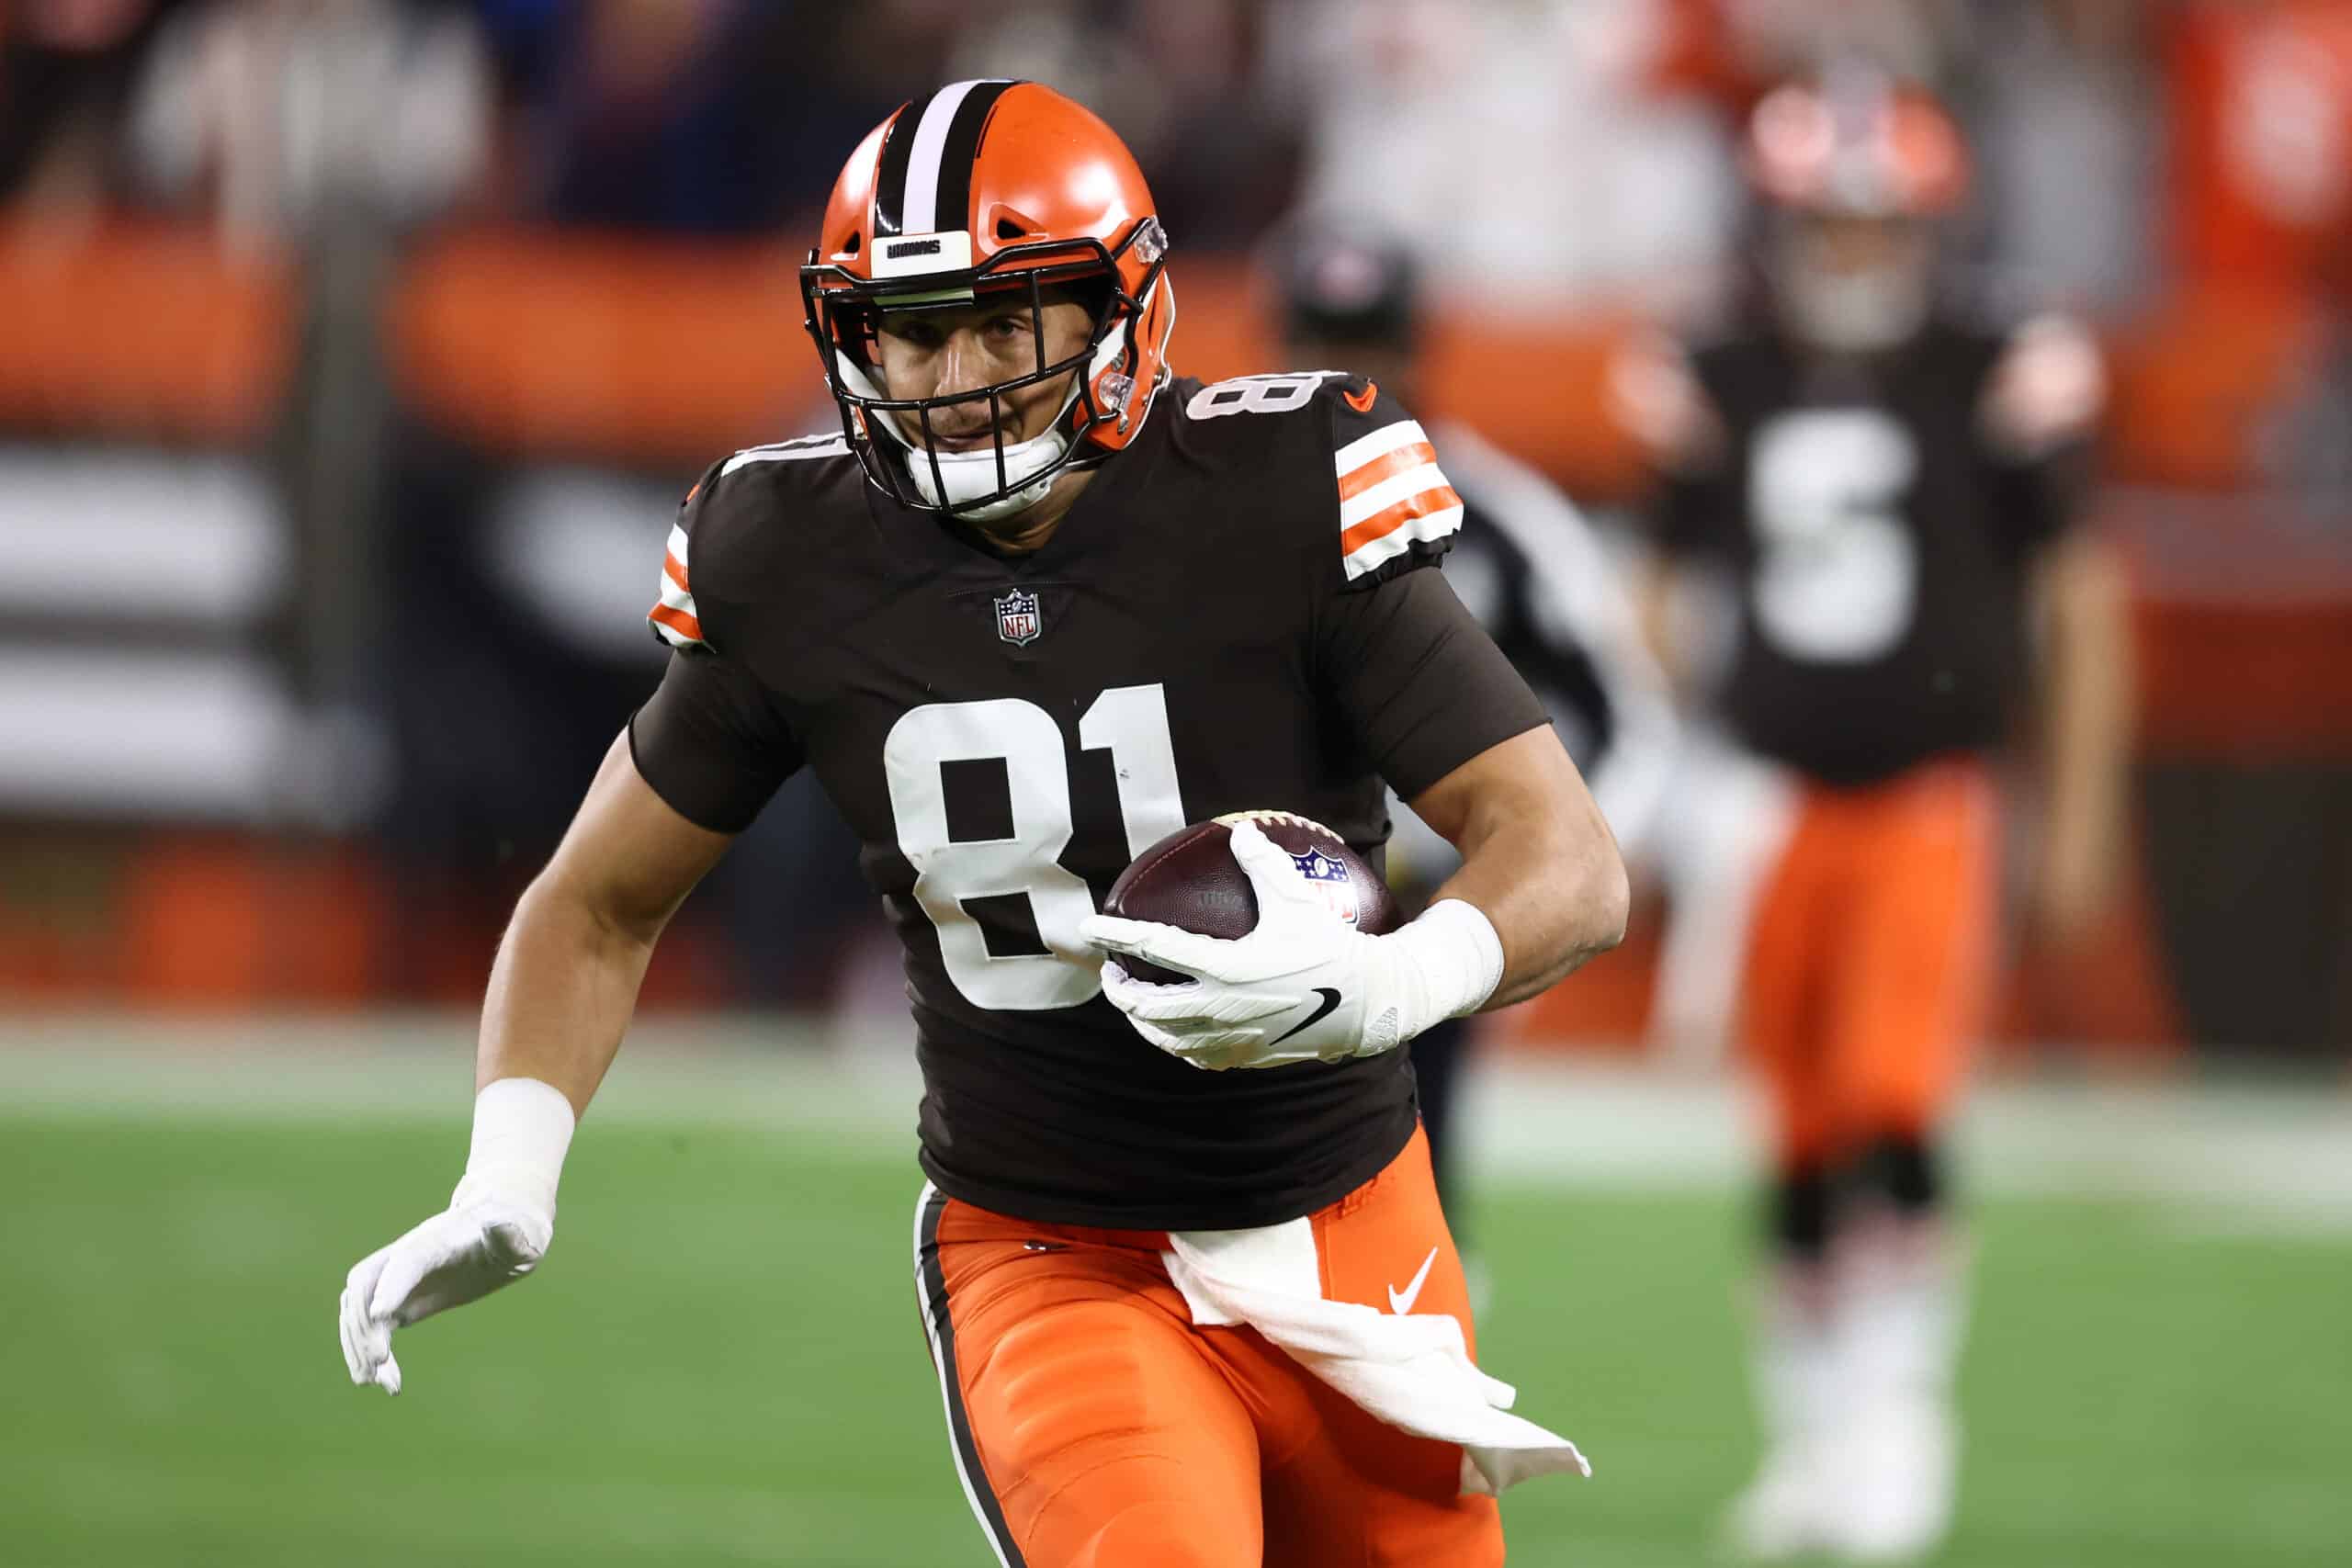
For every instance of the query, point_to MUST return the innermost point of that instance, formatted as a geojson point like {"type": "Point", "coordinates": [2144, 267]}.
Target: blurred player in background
{"type": "Point", "coordinates": [1888, 488]}
{"type": "Point", "coordinates": [1524, 562]}
{"type": "Point", "coordinates": [1040, 602]}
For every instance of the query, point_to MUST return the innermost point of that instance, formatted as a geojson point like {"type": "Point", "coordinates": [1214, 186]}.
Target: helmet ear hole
{"type": "Point", "coordinates": [849, 246]}
{"type": "Point", "coordinates": [1006, 223]}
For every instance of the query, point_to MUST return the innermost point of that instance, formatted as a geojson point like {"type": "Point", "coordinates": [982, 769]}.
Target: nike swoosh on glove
{"type": "Point", "coordinates": [1303, 985]}
{"type": "Point", "coordinates": [482, 1241]}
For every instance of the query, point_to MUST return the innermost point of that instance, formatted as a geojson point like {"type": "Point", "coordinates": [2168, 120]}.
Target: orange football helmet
{"type": "Point", "coordinates": [1874, 151]}
{"type": "Point", "coordinates": [1854, 177]}
{"type": "Point", "coordinates": [989, 186]}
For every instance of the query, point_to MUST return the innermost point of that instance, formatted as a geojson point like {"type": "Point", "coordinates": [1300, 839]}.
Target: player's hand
{"type": "Point", "coordinates": [1305, 985]}
{"type": "Point", "coordinates": [483, 1240]}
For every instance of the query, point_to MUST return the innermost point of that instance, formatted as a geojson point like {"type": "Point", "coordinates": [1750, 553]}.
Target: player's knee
{"type": "Point", "coordinates": [1902, 1172]}
{"type": "Point", "coordinates": [1802, 1212]}
{"type": "Point", "coordinates": [1163, 1534]}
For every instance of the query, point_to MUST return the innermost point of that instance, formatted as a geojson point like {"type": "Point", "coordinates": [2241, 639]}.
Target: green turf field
{"type": "Point", "coordinates": [720, 1364]}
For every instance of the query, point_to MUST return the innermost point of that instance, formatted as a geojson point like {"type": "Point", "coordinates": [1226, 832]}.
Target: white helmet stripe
{"type": "Point", "coordinates": [919, 214]}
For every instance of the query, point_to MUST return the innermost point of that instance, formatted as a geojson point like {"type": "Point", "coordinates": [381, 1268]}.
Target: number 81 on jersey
{"type": "Point", "coordinates": [1131, 723]}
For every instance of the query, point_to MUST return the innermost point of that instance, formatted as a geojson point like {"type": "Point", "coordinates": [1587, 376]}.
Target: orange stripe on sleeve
{"type": "Point", "coordinates": [677, 570]}
{"type": "Point", "coordinates": [1385, 465]}
{"type": "Point", "coordinates": [1381, 524]}
{"type": "Point", "coordinates": [676, 620]}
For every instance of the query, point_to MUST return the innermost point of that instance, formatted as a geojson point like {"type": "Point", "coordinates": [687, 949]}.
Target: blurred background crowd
{"type": "Point", "coordinates": [354, 355]}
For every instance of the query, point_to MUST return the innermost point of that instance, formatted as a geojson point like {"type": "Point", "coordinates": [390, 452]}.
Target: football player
{"type": "Point", "coordinates": [1040, 601]}
{"type": "Point", "coordinates": [1890, 489]}
{"type": "Point", "coordinates": [1524, 561]}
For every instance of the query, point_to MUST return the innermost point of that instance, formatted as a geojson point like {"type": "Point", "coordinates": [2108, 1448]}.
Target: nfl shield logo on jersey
{"type": "Point", "coordinates": [1017, 621]}
{"type": "Point", "coordinates": [1329, 878]}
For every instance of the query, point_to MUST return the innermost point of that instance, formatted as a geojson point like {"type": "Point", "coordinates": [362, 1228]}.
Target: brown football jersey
{"type": "Point", "coordinates": [1233, 616]}
{"type": "Point", "coordinates": [1878, 531]}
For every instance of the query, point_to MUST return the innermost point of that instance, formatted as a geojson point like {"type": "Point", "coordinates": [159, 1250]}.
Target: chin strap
{"type": "Point", "coordinates": [974, 474]}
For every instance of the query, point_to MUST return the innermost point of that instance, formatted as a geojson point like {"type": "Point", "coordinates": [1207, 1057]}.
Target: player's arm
{"type": "Point", "coordinates": [2087, 713]}
{"type": "Point", "coordinates": [2042, 400]}
{"type": "Point", "coordinates": [1655, 393]}
{"type": "Point", "coordinates": [1657, 584]}
{"type": "Point", "coordinates": [1538, 860]}
{"type": "Point", "coordinates": [699, 761]}
{"type": "Point", "coordinates": [567, 973]}
{"type": "Point", "coordinates": [1455, 731]}
{"type": "Point", "coordinates": [562, 991]}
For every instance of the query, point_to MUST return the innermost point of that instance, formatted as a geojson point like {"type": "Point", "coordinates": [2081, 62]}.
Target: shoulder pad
{"type": "Point", "coordinates": [715, 508]}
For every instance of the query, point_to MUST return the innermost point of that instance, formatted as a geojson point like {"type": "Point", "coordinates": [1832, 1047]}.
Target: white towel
{"type": "Point", "coordinates": [1413, 1370]}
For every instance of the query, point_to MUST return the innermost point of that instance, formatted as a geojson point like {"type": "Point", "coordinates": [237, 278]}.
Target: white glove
{"type": "Point", "coordinates": [495, 1230]}
{"type": "Point", "coordinates": [466, 1251]}
{"type": "Point", "coordinates": [1305, 984]}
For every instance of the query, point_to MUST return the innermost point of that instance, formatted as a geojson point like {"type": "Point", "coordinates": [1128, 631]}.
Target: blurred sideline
{"type": "Point", "coordinates": [2240, 1152]}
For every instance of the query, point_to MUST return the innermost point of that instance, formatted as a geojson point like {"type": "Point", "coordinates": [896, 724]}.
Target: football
{"type": "Point", "coordinates": [1190, 879]}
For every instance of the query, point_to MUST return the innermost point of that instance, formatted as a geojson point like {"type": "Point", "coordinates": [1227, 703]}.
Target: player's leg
{"type": "Point", "coordinates": [1089, 1427]}
{"type": "Point", "coordinates": [1796, 920]}
{"type": "Point", "coordinates": [1912, 991]}
{"type": "Point", "coordinates": [1341, 1487]}
{"type": "Point", "coordinates": [1911, 1000]}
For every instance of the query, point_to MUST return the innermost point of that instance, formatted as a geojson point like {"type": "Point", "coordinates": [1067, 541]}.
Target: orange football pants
{"type": "Point", "coordinates": [1869, 959]}
{"type": "Point", "coordinates": [1094, 1426]}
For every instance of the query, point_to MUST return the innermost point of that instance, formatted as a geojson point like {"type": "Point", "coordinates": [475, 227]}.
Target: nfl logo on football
{"type": "Point", "coordinates": [1329, 878]}
{"type": "Point", "coordinates": [1017, 621]}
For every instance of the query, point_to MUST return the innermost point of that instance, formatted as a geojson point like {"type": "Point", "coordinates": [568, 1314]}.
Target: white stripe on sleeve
{"type": "Point", "coordinates": [1379, 444]}
{"type": "Point", "coordinates": [1425, 529]}
{"type": "Point", "coordinates": [1388, 493]}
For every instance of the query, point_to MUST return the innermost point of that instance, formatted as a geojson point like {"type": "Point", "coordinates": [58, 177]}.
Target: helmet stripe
{"type": "Point", "coordinates": [924, 180]}
{"type": "Point", "coordinates": [890, 176]}
{"type": "Point", "coordinates": [920, 215]}
{"type": "Point", "coordinates": [952, 206]}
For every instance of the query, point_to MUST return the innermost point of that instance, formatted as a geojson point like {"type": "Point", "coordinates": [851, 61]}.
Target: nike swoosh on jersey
{"type": "Point", "coordinates": [1401, 1301]}
{"type": "Point", "coordinates": [1330, 1000]}
{"type": "Point", "coordinates": [1371, 395]}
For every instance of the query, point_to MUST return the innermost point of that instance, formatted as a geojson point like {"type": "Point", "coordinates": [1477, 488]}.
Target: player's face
{"type": "Point", "coordinates": [1848, 248]}
{"type": "Point", "coordinates": [938, 354]}
{"type": "Point", "coordinates": [1853, 283]}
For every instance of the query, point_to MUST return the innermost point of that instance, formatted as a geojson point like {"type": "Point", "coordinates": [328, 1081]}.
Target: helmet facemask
{"type": "Point", "coordinates": [1851, 283]}
{"type": "Point", "coordinates": [1856, 178]}
{"type": "Point", "coordinates": [898, 439]}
